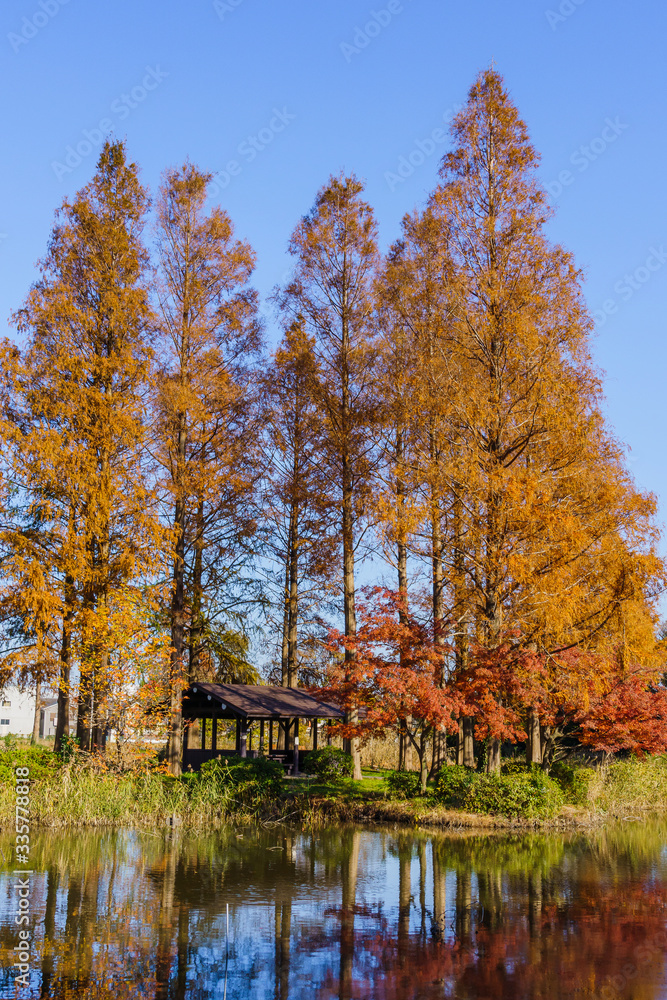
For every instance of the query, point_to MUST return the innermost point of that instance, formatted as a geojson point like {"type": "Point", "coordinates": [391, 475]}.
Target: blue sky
{"type": "Point", "coordinates": [289, 92]}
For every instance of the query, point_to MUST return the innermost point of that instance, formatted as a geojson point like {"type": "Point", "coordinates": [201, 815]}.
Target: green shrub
{"type": "Point", "coordinates": [404, 784]}
{"type": "Point", "coordinates": [68, 747]}
{"type": "Point", "coordinates": [329, 763]}
{"type": "Point", "coordinates": [248, 778]}
{"type": "Point", "coordinates": [574, 781]}
{"type": "Point", "coordinates": [453, 784]}
{"type": "Point", "coordinates": [514, 767]}
{"type": "Point", "coordinates": [40, 761]}
{"type": "Point", "coordinates": [530, 794]}
{"type": "Point", "coordinates": [632, 786]}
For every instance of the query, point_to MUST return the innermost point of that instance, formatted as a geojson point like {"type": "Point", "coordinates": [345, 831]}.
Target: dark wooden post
{"type": "Point", "coordinates": [238, 736]}
{"type": "Point", "coordinates": [296, 747]}
{"type": "Point", "coordinates": [186, 730]}
{"type": "Point", "coordinates": [249, 734]}
{"type": "Point", "coordinates": [314, 734]}
{"type": "Point", "coordinates": [214, 734]}
{"type": "Point", "coordinates": [270, 737]}
{"type": "Point", "coordinates": [261, 736]}
{"type": "Point", "coordinates": [243, 737]}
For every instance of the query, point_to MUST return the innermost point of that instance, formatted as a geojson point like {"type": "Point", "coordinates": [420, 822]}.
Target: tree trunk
{"type": "Point", "coordinates": [292, 638]}
{"type": "Point", "coordinates": [405, 745]}
{"type": "Point", "coordinates": [548, 742]}
{"type": "Point", "coordinates": [423, 767]}
{"type": "Point", "coordinates": [534, 741]}
{"type": "Point", "coordinates": [465, 754]}
{"type": "Point", "coordinates": [439, 736]}
{"type": "Point", "coordinates": [493, 622]}
{"type": "Point", "coordinates": [493, 609]}
{"type": "Point", "coordinates": [351, 745]}
{"type": "Point", "coordinates": [465, 751]}
{"type": "Point", "coordinates": [197, 595]}
{"type": "Point", "coordinates": [98, 737]}
{"type": "Point", "coordinates": [36, 718]}
{"type": "Point", "coordinates": [62, 725]}
{"type": "Point", "coordinates": [284, 664]}
{"type": "Point", "coordinates": [86, 681]}
{"type": "Point", "coordinates": [290, 631]}
{"type": "Point", "coordinates": [492, 756]}
{"type": "Point", "coordinates": [176, 671]}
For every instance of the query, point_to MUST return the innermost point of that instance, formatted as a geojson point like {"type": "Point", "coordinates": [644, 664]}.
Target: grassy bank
{"type": "Point", "coordinates": [88, 792]}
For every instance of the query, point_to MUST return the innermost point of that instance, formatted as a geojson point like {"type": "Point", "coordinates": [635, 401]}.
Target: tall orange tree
{"type": "Point", "coordinates": [416, 316]}
{"type": "Point", "coordinates": [297, 509]}
{"type": "Point", "coordinates": [332, 288]}
{"type": "Point", "coordinates": [499, 465]}
{"type": "Point", "coordinates": [544, 491]}
{"type": "Point", "coordinates": [205, 429]}
{"type": "Point", "coordinates": [81, 386]}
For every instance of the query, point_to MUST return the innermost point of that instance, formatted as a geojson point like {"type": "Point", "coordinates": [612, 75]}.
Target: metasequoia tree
{"type": "Point", "coordinates": [416, 316]}
{"type": "Point", "coordinates": [393, 499]}
{"type": "Point", "coordinates": [81, 389]}
{"type": "Point", "coordinates": [204, 440]}
{"type": "Point", "coordinates": [536, 535]}
{"type": "Point", "coordinates": [331, 289]}
{"type": "Point", "coordinates": [297, 507]}
{"type": "Point", "coordinates": [524, 396]}
{"type": "Point", "coordinates": [32, 544]}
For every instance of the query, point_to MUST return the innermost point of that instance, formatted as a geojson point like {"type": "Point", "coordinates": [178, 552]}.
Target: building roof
{"type": "Point", "coordinates": [254, 701]}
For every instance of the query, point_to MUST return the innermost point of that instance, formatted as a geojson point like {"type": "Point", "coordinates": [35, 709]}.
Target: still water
{"type": "Point", "coordinates": [342, 913]}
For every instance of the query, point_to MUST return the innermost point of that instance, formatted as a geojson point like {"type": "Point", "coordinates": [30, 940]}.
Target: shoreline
{"type": "Point", "coordinates": [315, 813]}
{"type": "Point", "coordinates": [82, 794]}
{"type": "Point", "coordinates": [419, 816]}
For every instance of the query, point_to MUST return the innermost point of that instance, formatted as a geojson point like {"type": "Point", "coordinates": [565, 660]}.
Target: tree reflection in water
{"type": "Point", "coordinates": [349, 913]}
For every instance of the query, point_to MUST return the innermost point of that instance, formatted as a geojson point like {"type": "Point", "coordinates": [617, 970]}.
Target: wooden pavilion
{"type": "Point", "coordinates": [248, 703]}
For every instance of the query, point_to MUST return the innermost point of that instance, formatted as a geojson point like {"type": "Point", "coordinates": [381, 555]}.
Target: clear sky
{"type": "Point", "coordinates": [289, 92]}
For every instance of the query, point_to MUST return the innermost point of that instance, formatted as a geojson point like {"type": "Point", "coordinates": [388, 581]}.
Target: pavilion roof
{"type": "Point", "coordinates": [254, 701]}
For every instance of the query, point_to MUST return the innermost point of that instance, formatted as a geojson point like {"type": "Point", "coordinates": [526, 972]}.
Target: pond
{"type": "Point", "coordinates": [349, 913]}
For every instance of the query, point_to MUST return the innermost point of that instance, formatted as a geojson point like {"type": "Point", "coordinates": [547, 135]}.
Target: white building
{"type": "Point", "coordinates": [17, 712]}
{"type": "Point", "coordinates": [48, 717]}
